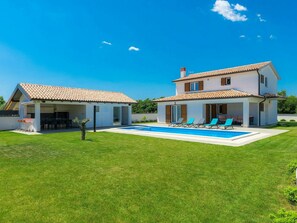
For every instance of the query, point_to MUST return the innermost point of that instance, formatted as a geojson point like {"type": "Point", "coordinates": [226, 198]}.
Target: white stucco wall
{"type": "Point", "coordinates": [247, 81]}
{"type": "Point", "coordinates": [287, 117]}
{"type": "Point", "coordinates": [104, 117]}
{"type": "Point", "coordinates": [272, 81]}
{"type": "Point", "coordinates": [148, 116]}
{"type": "Point", "coordinates": [9, 123]}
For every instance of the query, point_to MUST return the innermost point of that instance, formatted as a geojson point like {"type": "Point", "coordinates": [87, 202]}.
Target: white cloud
{"type": "Point", "coordinates": [260, 18]}
{"type": "Point", "coordinates": [242, 36]}
{"type": "Point", "coordinates": [229, 12]}
{"type": "Point", "coordinates": [106, 43]}
{"type": "Point", "coordinates": [259, 36]}
{"type": "Point", "coordinates": [240, 7]}
{"type": "Point", "coordinates": [133, 48]}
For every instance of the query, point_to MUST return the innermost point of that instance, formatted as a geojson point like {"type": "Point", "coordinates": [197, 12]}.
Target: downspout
{"type": "Point", "coordinates": [259, 93]}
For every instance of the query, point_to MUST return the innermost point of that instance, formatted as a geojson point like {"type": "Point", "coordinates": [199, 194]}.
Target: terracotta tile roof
{"type": "Point", "coordinates": [52, 93]}
{"type": "Point", "coordinates": [222, 94]}
{"type": "Point", "coordinates": [239, 69]}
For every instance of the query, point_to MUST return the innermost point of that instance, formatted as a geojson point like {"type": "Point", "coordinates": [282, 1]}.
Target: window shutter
{"type": "Point", "coordinates": [223, 81]}
{"type": "Point", "coordinates": [224, 109]}
{"type": "Point", "coordinates": [201, 85]}
{"type": "Point", "coordinates": [168, 114]}
{"type": "Point", "coordinates": [187, 87]}
{"type": "Point", "coordinates": [184, 112]}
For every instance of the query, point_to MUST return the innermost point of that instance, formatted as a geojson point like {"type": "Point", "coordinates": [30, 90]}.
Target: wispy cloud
{"type": "Point", "coordinates": [239, 7]}
{"type": "Point", "coordinates": [272, 37]}
{"type": "Point", "coordinates": [242, 36]}
{"type": "Point", "coordinates": [106, 43]}
{"type": "Point", "coordinates": [261, 18]}
{"type": "Point", "coordinates": [259, 36]}
{"type": "Point", "coordinates": [133, 48]}
{"type": "Point", "coordinates": [230, 12]}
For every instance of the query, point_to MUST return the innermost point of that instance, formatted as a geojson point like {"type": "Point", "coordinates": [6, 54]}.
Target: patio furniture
{"type": "Point", "coordinates": [227, 124]}
{"type": "Point", "coordinates": [199, 124]}
{"type": "Point", "coordinates": [178, 123]}
{"type": "Point", "coordinates": [214, 122]}
{"type": "Point", "coordinates": [189, 123]}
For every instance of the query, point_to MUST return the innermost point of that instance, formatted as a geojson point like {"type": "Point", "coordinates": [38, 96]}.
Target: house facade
{"type": "Point", "coordinates": [44, 107]}
{"type": "Point", "coordinates": [248, 94]}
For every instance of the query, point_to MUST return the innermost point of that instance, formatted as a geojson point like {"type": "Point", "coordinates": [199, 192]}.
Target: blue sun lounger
{"type": "Point", "coordinates": [214, 122]}
{"type": "Point", "coordinates": [189, 123]}
{"type": "Point", "coordinates": [227, 124]}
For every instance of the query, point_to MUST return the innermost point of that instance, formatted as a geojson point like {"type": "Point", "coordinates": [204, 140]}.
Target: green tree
{"type": "Point", "coordinates": [2, 102]}
{"type": "Point", "coordinates": [288, 105]}
{"type": "Point", "coordinates": [145, 106]}
{"type": "Point", "coordinates": [82, 125]}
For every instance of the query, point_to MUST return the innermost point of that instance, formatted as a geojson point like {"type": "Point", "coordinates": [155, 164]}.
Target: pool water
{"type": "Point", "coordinates": [226, 134]}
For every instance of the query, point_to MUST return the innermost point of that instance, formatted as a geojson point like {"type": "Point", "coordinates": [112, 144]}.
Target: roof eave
{"type": "Point", "coordinates": [201, 99]}
{"type": "Point", "coordinates": [82, 101]}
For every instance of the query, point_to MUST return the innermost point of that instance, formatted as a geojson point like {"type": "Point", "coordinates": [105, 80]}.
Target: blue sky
{"type": "Point", "coordinates": [86, 43]}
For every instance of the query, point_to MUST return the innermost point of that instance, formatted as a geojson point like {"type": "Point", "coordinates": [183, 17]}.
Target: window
{"type": "Point", "coordinates": [261, 107]}
{"type": "Point", "coordinates": [266, 80]}
{"type": "Point", "coordinates": [226, 81]}
{"type": "Point", "coordinates": [97, 108]}
{"type": "Point", "coordinates": [262, 79]}
{"type": "Point", "coordinates": [194, 86]}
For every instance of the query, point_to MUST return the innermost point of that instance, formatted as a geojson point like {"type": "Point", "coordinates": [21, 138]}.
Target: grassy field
{"type": "Point", "coordinates": [124, 178]}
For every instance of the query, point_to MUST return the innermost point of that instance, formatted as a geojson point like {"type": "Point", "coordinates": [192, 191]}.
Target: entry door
{"type": "Point", "coordinates": [207, 113]}
{"type": "Point", "coordinates": [125, 115]}
{"type": "Point", "coordinates": [210, 112]}
{"type": "Point", "coordinates": [116, 115]}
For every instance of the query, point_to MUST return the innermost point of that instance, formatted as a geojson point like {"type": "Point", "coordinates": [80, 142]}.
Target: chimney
{"type": "Point", "coordinates": [183, 72]}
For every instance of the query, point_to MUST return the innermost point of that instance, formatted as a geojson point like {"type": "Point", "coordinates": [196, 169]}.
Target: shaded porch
{"type": "Point", "coordinates": [50, 116]}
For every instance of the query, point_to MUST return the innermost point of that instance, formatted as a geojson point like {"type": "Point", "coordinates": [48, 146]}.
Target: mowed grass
{"type": "Point", "coordinates": [123, 178]}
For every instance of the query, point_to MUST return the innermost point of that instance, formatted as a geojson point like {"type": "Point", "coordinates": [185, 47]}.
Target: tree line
{"type": "Point", "coordinates": [288, 105]}
{"type": "Point", "coordinates": [144, 106]}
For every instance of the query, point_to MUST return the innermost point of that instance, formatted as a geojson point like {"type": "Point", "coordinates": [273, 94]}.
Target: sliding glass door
{"type": "Point", "coordinates": [175, 113]}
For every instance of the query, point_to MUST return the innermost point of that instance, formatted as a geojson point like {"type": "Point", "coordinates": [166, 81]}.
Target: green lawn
{"type": "Point", "coordinates": [123, 178]}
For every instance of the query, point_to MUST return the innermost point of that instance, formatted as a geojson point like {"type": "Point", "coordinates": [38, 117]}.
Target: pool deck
{"type": "Point", "coordinates": [256, 134]}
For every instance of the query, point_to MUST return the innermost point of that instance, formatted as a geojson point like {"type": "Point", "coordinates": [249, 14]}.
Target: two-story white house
{"type": "Point", "coordinates": [248, 94]}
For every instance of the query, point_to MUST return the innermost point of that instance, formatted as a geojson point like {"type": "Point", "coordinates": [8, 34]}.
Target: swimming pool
{"type": "Point", "coordinates": [225, 134]}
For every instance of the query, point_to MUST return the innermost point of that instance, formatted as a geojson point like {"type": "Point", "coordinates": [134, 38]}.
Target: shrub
{"type": "Point", "coordinates": [291, 194]}
{"type": "Point", "coordinates": [292, 166]}
{"type": "Point", "coordinates": [283, 216]}
{"type": "Point", "coordinates": [143, 119]}
{"type": "Point", "coordinates": [283, 120]}
{"type": "Point", "coordinates": [292, 120]}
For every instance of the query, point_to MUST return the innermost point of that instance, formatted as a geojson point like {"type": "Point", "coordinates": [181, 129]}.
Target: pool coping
{"type": "Point", "coordinates": [255, 135]}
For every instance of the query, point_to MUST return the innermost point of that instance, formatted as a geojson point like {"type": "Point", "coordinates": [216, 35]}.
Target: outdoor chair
{"type": "Point", "coordinates": [200, 123]}
{"type": "Point", "coordinates": [178, 123]}
{"type": "Point", "coordinates": [227, 124]}
{"type": "Point", "coordinates": [189, 123]}
{"type": "Point", "coordinates": [214, 122]}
